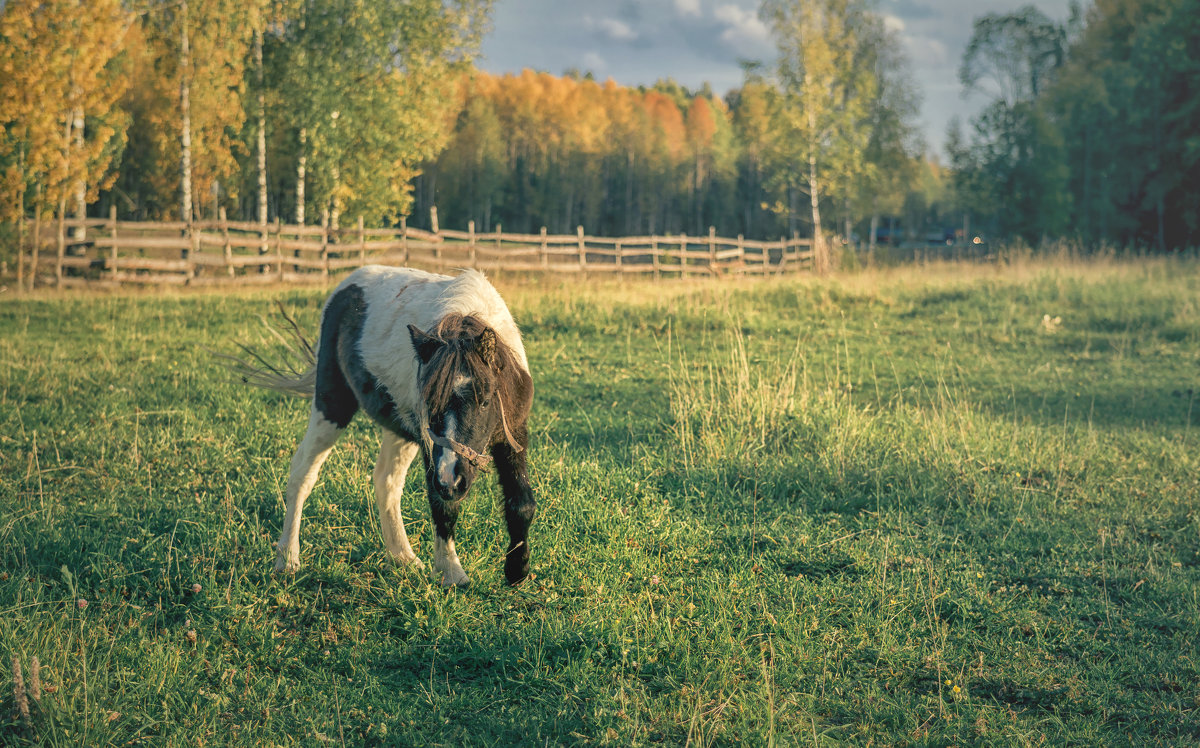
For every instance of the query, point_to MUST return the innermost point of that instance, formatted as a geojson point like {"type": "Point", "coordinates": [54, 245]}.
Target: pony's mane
{"type": "Point", "coordinates": [466, 351]}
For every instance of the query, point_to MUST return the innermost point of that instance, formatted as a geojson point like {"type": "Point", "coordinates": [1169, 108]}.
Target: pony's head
{"type": "Point", "coordinates": [465, 379]}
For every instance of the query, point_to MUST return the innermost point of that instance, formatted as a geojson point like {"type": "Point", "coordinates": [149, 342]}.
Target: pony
{"type": "Point", "coordinates": [438, 363]}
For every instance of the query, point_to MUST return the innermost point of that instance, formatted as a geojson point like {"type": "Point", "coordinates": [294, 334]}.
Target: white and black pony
{"type": "Point", "coordinates": [437, 362]}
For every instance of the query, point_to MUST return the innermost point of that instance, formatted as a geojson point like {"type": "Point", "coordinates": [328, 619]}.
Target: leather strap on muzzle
{"type": "Point", "coordinates": [477, 460]}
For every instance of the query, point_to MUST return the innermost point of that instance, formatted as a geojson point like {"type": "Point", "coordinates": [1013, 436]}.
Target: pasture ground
{"type": "Point", "coordinates": [889, 508]}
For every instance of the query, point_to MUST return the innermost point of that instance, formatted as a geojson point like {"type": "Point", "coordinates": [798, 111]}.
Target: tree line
{"type": "Point", "coordinates": [831, 125]}
{"type": "Point", "coordinates": [299, 109]}
{"type": "Point", "coordinates": [310, 110]}
{"type": "Point", "coordinates": [1092, 127]}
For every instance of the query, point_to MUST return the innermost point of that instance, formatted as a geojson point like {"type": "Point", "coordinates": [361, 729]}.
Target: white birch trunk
{"type": "Point", "coordinates": [185, 114]}
{"type": "Point", "coordinates": [262, 130]}
{"type": "Point", "coordinates": [301, 169]}
{"type": "Point", "coordinates": [819, 252]}
{"type": "Point", "coordinates": [335, 206]}
{"type": "Point", "coordinates": [80, 231]}
{"type": "Point", "coordinates": [849, 222]}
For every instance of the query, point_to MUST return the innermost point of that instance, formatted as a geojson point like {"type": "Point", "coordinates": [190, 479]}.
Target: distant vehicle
{"type": "Point", "coordinates": [944, 236]}
{"type": "Point", "coordinates": [885, 235]}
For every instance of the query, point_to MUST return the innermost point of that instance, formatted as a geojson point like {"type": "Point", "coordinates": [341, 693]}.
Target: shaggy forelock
{"type": "Point", "coordinates": [460, 356]}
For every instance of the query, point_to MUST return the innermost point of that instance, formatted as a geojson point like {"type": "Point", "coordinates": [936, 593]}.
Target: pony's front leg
{"type": "Point", "coordinates": [445, 517]}
{"type": "Point", "coordinates": [306, 466]}
{"type": "Point", "coordinates": [395, 455]}
{"type": "Point", "coordinates": [519, 507]}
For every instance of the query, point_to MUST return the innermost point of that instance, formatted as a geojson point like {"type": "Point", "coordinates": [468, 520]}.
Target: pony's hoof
{"type": "Point", "coordinates": [516, 568]}
{"type": "Point", "coordinates": [284, 566]}
{"type": "Point", "coordinates": [455, 578]}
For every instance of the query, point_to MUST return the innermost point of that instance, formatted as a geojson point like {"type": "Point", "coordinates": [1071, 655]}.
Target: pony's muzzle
{"type": "Point", "coordinates": [452, 475]}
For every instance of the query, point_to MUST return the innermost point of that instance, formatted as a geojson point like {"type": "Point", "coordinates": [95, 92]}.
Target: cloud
{"type": "Point", "coordinates": [743, 30]}
{"type": "Point", "coordinates": [893, 23]}
{"type": "Point", "coordinates": [618, 31]}
{"type": "Point", "coordinates": [926, 52]}
{"type": "Point", "coordinates": [912, 9]}
{"type": "Point", "coordinates": [594, 62]}
{"type": "Point", "coordinates": [687, 7]}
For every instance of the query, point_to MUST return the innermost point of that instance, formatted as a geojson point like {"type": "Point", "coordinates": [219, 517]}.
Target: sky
{"type": "Point", "coordinates": [636, 42]}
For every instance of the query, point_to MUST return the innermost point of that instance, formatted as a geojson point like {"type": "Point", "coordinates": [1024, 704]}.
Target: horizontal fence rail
{"type": "Point", "coordinates": [107, 252]}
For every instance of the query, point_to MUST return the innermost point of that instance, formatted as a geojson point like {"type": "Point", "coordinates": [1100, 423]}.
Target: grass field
{"type": "Point", "coordinates": [889, 508]}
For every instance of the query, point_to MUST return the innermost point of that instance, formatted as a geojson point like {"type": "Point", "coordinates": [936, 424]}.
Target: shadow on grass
{"type": "Point", "coordinates": [1169, 407]}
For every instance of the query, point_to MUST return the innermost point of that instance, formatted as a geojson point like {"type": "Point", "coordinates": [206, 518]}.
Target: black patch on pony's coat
{"type": "Point", "coordinates": [424, 345]}
{"type": "Point", "coordinates": [343, 316]}
{"type": "Point", "coordinates": [343, 382]}
{"type": "Point", "coordinates": [513, 474]}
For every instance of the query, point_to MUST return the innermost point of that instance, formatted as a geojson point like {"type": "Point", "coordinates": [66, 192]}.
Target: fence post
{"type": "Point", "coordinates": [325, 252]}
{"type": "Point", "coordinates": [620, 251]}
{"type": "Point", "coordinates": [712, 249]}
{"type": "Point", "coordinates": [499, 236]}
{"type": "Point", "coordinates": [227, 248]}
{"type": "Point", "coordinates": [683, 258]}
{"type": "Point", "coordinates": [545, 256]}
{"type": "Point", "coordinates": [654, 257]}
{"type": "Point", "coordinates": [582, 251]}
{"type": "Point", "coordinates": [741, 254]}
{"type": "Point", "coordinates": [112, 227]}
{"type": "Point", "coordinates": [471, 243]}
{"type": "Point", "coordinates": [37, 245]}
{"type": "Point", "coordinates": [62, 244]}
{"type": "Point", "coordinates": [362, 243]}
{"type": "Point", "coordinates": [279, 242]}
{"type": "Point", "coordinates": [404, 237]}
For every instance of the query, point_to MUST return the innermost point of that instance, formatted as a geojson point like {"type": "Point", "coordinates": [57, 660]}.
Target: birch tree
{"type": "Point", "coordinates": [61, 75]}
{"type": "Point", "coordinates": [368, 90]}
{"type": "Point", "coordinates": [824, 93]}
{"type": "Point", "coordinates": [195, 105]}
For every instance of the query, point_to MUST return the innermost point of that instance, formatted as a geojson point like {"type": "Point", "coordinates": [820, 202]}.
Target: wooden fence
{"type": "Point", "coordinates": [109, 252]}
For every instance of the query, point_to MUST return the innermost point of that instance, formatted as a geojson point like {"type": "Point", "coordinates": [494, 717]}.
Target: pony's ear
{"type": "Point", "coordinates": [486, 345]}
{"type": "Point", "coordinates": [424, 345]}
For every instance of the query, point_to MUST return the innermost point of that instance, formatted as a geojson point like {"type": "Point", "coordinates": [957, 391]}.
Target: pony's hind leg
{"type": "Point", "coordinates": [395, 455]}
{"type": "Point", "coordinates": [306, 466]}
{"type": "Point", "coordinates": [519, 507]}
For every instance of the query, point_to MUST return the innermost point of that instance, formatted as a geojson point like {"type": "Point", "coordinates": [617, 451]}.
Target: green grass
{"type": "Point", "coordinates": [886, 508]}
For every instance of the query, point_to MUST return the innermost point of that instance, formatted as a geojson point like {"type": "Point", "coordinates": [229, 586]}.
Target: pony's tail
{"type": "Point", "coordinates": [296, 374]}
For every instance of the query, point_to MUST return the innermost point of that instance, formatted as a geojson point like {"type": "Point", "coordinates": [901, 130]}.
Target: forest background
{"type": "Point", "coordinates": [309, 111]}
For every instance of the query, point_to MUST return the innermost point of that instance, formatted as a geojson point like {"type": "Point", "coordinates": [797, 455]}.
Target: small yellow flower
{"type": "Point", "coordinates": [957, 689]}
{"type": "Point", "coordinates": [979, 575]}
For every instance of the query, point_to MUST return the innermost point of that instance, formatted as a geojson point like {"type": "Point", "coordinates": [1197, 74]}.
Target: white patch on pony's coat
{"type": "Point", "coordinates": [306, 467]}
{"type": "Point", "coordinates": [445, 560]}
{"type": "Point", "coordinates": [449, 460]}
{"type": "Point", "coordinates": [385, 344]}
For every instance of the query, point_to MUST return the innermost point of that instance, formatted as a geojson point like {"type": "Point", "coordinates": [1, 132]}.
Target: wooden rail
{"type": "Point", "coordinates": [66, 252]}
